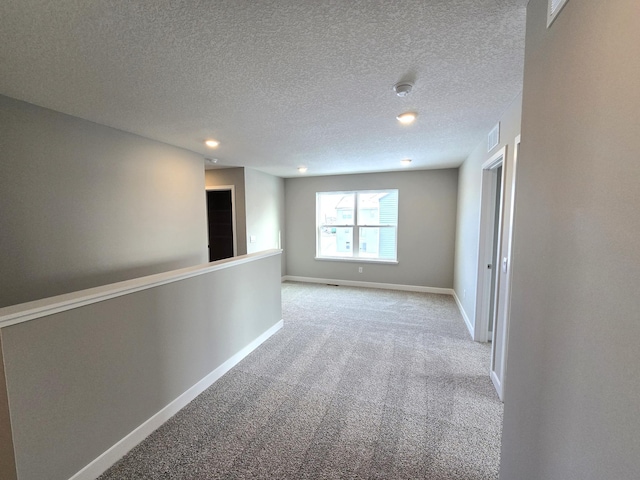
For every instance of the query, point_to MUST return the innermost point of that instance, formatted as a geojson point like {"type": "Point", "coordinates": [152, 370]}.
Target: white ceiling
{"type": "Point", "coordinates": [280, 83]}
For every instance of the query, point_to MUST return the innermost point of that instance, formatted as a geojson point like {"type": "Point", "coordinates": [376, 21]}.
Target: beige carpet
{"type": "Point", "coordinates": [360, 383]}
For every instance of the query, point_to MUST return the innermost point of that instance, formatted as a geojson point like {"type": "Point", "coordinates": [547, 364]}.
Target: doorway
{"type": "Point", "coordinates": [221, 218]}
{"type": "Point", "coordinates": [494, 260]}
{"type": "Point", "coordinates": [503, 313]}
{"type": "Point", "coordinates": [496, 204]}
{"type": "Point", "coordinates": [491, 213]}
{"type": "Point", "coordinates": [491, 311]}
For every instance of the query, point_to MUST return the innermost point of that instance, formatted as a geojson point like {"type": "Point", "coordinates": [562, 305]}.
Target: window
{"type": "Point", "coordinates": [359, 225]}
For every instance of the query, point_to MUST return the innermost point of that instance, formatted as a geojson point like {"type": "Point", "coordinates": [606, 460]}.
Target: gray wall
{"type": "Point", "coordinates": [469, 201]}
{"type": "Point", "coordinates": [83, 205]}
{"type": "Point", "coordinates": [573, 378]}
{"type": "Point", "coordinates": [265, 212]}
{"type": "Point", "coordinates": [426, 227]}
{"type": "Point", "coordinates": [235, 177]}
{"type": "Point", "coordinates": [81, 380]}
{"type": "Point", "coordinates": [7, 454]}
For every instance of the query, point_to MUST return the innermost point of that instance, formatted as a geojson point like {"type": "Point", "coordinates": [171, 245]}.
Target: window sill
{"type": "Point", "coordinates": [357, 260]}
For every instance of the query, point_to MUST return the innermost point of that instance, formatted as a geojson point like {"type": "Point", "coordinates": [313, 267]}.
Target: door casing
{"type": "Point", "coordinates": [486, 242]}
{"type": "Point", "coordinates": [499, 353]}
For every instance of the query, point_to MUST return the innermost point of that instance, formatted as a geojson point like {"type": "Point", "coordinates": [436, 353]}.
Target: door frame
{"type": "Point", "coordinates": [499, 382]}
{"type": "Point", "coordinates": [486, 242]}
{"type": "Point", "coordinates": [231, 188]}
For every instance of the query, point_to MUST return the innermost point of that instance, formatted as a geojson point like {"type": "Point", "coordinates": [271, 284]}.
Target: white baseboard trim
{"type": "Point", "coordinates": [98, 466]}
{"type": "Point", "coordinates": [355, 283]}
{"type": "Point", "coordinates": [464, 314]}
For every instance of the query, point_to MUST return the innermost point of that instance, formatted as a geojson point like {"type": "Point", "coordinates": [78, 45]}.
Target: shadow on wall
{"type": "Point", "coordinates": [29, 289]}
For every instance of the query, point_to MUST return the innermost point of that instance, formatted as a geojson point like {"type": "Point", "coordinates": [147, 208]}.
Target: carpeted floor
{"type": "Point", "coordinates": [360, 383]}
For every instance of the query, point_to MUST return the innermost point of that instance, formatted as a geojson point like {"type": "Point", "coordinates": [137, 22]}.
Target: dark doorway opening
{"type": "Point", "coordinates": [220, 218]}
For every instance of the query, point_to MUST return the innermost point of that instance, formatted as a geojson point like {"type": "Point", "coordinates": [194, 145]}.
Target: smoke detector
{"type": "Point", "coordinates": [402, 89]}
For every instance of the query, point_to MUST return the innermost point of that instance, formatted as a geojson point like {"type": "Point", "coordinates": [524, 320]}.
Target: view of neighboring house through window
{"type": "Point", "coordinates": [359, 224]}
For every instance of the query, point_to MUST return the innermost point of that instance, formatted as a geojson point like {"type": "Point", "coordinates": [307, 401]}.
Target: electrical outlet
{"type": "Point", "coordinates": [359, 269]}
{"type": "Point", "coordinates": [464, 293]}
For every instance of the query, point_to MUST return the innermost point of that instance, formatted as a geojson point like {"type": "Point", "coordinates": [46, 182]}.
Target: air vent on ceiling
{"type": "Point", "coordinates": [494, 138]}
{"type": "Point", "coordinates": [554, 9]}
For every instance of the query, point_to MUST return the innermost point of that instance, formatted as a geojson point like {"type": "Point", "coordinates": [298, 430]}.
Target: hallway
{"type": "Point", "coordinates": [359, 383]}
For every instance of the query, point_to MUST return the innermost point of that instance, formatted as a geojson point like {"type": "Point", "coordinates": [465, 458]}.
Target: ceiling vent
{"type": "Point", "coordinates": [554, 9]}
{"type": "Point", "coordinates": [494, 138]}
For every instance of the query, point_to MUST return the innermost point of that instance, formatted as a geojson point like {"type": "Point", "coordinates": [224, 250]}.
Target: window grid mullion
{"type": "Point", "coordinates": [356, 227]}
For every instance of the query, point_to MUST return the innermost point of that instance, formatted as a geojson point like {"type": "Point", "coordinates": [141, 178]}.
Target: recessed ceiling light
{"type": "Point", "coordinates": [302, 169]}
{"type": "Point", "coordinates": [211, 143]}
{"type": "Point", "coordinates": [405, 162]}
{"type": "Point", "coordinates": [407, 118]}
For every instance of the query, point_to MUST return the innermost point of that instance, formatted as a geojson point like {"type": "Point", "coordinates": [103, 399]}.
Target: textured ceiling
{"type": "Point", "coordinates": [280, 83]}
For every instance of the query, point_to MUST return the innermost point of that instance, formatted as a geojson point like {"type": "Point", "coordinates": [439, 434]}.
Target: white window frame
{"type": "Point", "coordinates": [356, 228]}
